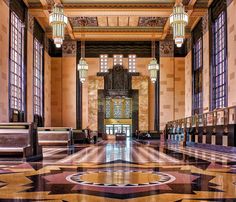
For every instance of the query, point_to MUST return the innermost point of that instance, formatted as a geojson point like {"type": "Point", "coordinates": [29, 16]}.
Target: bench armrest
{"type": "Point", "coordinates": [27, 151]}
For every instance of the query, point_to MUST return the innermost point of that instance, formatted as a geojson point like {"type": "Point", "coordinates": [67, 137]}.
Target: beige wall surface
{"type": "Point", "coordinates": [4, 61]}
{"type": "Point", "coordinates": [166, 90]}
{"type": "Point", "coordinates": [231, 13]}
{"type": "Point", "coordinates": [56, 91]}
{"type": "Point", "coordinates": [68, 91]}
{"type": "Point", "coordinates": [30, 55]}
{"type": "Point", "coordinates": [47, 89]}
{"type": "Point", "coordinates": [206, 73]}
{"type": "Point", "coordinates": [63, 91]}
{"type": "Point", "coordinates": [172, 89]}
{"type": "Point", "coordinates": [188, 84]}
{"type": "Point", "coordinates": [179, 88]}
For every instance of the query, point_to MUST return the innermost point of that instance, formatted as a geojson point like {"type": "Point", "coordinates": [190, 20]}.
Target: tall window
{"type": "Point", "coordinates": [16, 73]}
{"type": "Point", "coordinates": [219, 68]}
{"type": "Point", "coordinates": [132, 63]}
{"type": "Point", "coordinates": [197, 77]}
{"type": "Point", "coordinates": [38, 79]}
{"type": "Point", "coordinates": [103, 63]}
{"type": "Point", "coordinates": [118, 59]}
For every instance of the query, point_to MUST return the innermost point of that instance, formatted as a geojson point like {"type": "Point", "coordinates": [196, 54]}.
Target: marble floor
{"type": "Point", "coordinates": [122, 171]}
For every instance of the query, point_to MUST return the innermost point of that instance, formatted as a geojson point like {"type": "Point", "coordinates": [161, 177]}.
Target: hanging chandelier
{"type": "Point", "coordinates": [83, 65]}
{"type": "Point", "coordinates": [58, 21]}
{"type": "Point", "coordinates": [153, 66]}
{"type": "Point", "coordinates": [178, 21]}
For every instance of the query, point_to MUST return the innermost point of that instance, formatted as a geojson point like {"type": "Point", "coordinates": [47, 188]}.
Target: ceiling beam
{"type": "Point", "coordinates": [72, 12]}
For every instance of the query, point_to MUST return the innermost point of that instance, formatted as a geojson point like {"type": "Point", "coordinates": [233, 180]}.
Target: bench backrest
{"type": "Point", "coordinates": [15, 134]}
{"type": "Point", "coordinates": [54, 133]}
{"type": "Point", "coordinates": [54, 129]}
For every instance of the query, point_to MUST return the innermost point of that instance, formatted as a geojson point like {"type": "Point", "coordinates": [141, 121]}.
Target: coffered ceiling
{"type": "Point", "coordinates": [117, 19]}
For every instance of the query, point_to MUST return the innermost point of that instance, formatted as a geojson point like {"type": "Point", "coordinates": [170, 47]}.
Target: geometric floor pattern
{"type": "Point", "coordinates": [122, 171]}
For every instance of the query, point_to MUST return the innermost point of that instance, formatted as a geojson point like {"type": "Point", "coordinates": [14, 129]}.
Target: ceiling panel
{"type": "Point", "coordinates": [102, 21]}
{"type": "Point", "coordinates": [123, 21]}
{"type": "Point", "coordinates": [133, 21]}
{"type": "Point", "coordinates": [112, 21]}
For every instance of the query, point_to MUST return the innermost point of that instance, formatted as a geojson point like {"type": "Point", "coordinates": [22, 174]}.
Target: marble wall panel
{"type": "Point", "coordinates": [141, 83]}
{"type": "Point", "coordinates": [188, 84]}
{"type": "Point", "coordinates": [94, 83]}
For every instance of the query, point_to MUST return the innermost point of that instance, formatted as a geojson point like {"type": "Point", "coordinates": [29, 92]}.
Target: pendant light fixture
{"type": "Point", "coordinates": [178, 20]}
{"type": "Point", "coordinates": [82, 66]}
{"type": "Point", "coordinates": [153, 66]}
{"type": "Point", "coordinates": [58, 21]}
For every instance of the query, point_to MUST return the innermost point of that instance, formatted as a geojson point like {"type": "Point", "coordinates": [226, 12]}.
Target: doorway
{"type": "Point", "coordinates": [112, 129]}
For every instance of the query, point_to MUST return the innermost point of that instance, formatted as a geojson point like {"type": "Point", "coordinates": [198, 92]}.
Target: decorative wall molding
{"type": "Point", "coordinates": [166, 48]}
{"type": "Point", "coordinates": [46, 44]}
{"type": "Point", "coordinates": [205, 24]}
{"type": "Point", "coordinates": [189, 44]}
{"type": "Point", "coordinates": [69, 48]}
{"type": "Point", "coordinates": [152, 21]}
{"type": "Point", "coordinates": [30, 23]}
{"type": "Point", "coordinates": [83, 21]}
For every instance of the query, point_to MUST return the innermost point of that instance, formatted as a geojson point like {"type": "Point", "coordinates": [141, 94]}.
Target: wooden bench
{"type": "Point", "coordinates": [19, 140]}
{"type": "Point", "coordinates": [154, 135]}
{"type": "Point", "coordinates": [78, 136]}
{"type": "Point", "coordinates": [55, 136]}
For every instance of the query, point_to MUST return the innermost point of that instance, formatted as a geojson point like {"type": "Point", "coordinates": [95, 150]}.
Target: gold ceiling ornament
{"type": "Point", "coordinates": [83, 65]}
{"type": "Point", "coordinates": [178, 20]}
{"type": "Point", "coordinates": [153, 66]}
{"type": "Point", "coordinates": [58, 21]}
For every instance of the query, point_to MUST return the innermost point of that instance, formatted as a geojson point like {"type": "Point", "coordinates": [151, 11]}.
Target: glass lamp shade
{"type": "Point", "coordinates": [58, 21]}
{"type": "Point", "coordinates": [178, 20]}
{"type": "Point", "coordinates": [153, 68]}
{"type": "Point", "coordinates": [83, 69]}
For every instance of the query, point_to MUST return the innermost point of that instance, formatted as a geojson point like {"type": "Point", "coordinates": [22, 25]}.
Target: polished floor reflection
{"type": "Point", "coordinates": [125, 170]}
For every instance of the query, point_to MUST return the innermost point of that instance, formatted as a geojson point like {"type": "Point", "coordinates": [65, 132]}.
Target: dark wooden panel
{"type": "Point", "coordinates": [94, 49]}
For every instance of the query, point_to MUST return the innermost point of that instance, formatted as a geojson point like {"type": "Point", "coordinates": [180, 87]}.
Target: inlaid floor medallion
{"type": "Point", "coordinates": [121, 178]}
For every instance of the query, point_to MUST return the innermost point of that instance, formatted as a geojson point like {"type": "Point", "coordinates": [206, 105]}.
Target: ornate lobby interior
{"type": "Point", "coordinates": [117, 100]}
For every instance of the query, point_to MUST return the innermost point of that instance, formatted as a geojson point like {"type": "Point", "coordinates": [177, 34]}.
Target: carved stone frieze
{"type": "Point", "coordinates": [69, 48]}
{"type": "Point", "coordinates": [83, 21]}
{"type": "Point", "coordinates": [30, 23]}
{"type": "Point", "coordinates": [205, 23]}
{"type": "Point", "coordinates": [166, 48]}
{"type": "Point", "coordinates": [152, 21]}
{"type": "Point", "coordinates": [189, 44]}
